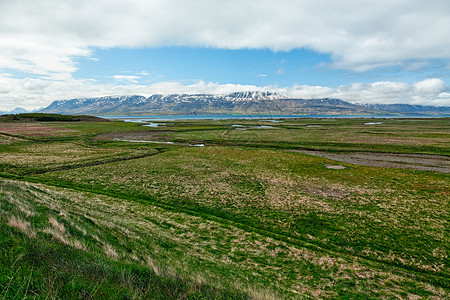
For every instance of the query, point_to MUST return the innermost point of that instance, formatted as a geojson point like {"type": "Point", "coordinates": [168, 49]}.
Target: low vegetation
{"type": "Point", "coordinates": [40, 117]}
{"type": "Point", "coordinates": [87, 214]}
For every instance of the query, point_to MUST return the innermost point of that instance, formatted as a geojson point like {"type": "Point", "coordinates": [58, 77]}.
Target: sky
{"type": "Point", "coordinates": [377, 51]}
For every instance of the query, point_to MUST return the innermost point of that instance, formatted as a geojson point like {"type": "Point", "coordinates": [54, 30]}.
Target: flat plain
{"type": "Point", "coordinates": [227, 209]}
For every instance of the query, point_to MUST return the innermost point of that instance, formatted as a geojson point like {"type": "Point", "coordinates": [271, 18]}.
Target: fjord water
{"type": "Point", "coordinates": [257, 117]}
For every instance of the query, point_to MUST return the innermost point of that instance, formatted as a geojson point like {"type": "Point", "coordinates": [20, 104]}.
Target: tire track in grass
{"type": "Point", "coordinates": [82, 165]}
{"type": "Point", "coordinates": [96, 163]}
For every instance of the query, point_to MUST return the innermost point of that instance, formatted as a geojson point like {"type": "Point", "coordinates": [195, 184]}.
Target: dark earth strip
{"type": "Point", "coordinates": [435, 163]}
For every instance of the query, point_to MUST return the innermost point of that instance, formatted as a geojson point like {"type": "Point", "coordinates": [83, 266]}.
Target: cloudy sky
{"type": "Point", "coordinates": [380, 51]}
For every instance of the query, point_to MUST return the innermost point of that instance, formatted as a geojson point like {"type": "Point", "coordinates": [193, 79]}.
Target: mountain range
{"type": "Point", "coordinates": [15, 111]}
{"type": "Point", "coordinates": [234, 103]}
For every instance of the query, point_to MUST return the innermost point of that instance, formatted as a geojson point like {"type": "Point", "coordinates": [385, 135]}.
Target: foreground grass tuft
{"type": "Point", "coordinates": [22, 225]}
{"type": "Point", "coordinates": [39, 268]}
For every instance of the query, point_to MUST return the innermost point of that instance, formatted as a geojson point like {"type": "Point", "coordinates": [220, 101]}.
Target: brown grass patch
{"type": "Point", "coordinates": [6, 139]}
{"type": "Point", "coordinates": [58, 231]}
{"type": "Point", "coordinates": [55, 154]}
{"type": "Point", "coordinates": [34, 130]}
{"type": "Point", "coordinates": [56, 225]}
{"type": "Point", "coordinates": [58, 235]}
{"type": "Point", "coordinates": [334, 167]}
{"type": "Point", "coordinates": [152, 266]}
{"type": "Point", "coordinates": [110, 251]}
{"type": "Point", "coordinates": [22, 225]}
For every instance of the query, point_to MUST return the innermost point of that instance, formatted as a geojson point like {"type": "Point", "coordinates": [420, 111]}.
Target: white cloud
{"type": "Point", "coordinates": [126, 78]}
{"type": "Point", "coordinates": [143, 73]}
{"type": "Point", "coordinates": [33, 93]}
{"type": "Point", "coordinates": [433, 85]}
{"type": "Point", "coordinates": [43, 36]}
{"type": "Point", "coordinates": [427, 92]}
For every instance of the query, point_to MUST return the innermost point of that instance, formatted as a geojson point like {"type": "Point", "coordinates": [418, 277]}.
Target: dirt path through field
{"type": "Point", "coordinates": [435, 163]}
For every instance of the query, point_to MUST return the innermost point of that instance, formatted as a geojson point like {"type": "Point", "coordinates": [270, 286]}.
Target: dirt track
{"type": "Point", "coordinates": [435, 163]}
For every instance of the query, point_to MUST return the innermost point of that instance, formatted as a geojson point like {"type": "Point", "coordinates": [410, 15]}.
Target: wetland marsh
{"type": "Point", "coordinates": [253, 214]}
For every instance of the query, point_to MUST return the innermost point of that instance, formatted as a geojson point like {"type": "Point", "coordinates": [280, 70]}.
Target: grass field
{"type": "Point", "coordinates": [89, 213]}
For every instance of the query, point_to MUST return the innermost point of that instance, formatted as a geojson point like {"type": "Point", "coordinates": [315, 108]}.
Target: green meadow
{"type": "Point", "coordinates": [225, 209]}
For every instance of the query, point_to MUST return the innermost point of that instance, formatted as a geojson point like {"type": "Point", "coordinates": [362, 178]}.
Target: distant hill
{"type": "Point", "coordinates": [43, 117]}
{"type": "Point", "coordinates": [17, 110]}
{"type": "Point", "coordinates": [410, 109]}
{"type": "Point", "coordinates": [234, 103]}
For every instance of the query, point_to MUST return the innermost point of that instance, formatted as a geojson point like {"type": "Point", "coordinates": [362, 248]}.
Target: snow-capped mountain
{"type": "Point", "coordinates": [234, 103]}
{"type": "Point", "coordinates": [15, 111]}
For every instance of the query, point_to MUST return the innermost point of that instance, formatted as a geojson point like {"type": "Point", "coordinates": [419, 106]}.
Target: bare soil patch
{"type": "Point", "coordinates": [435, 163]}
